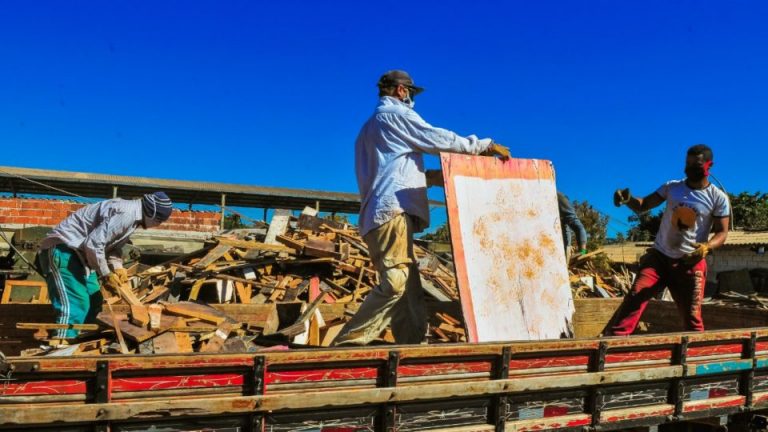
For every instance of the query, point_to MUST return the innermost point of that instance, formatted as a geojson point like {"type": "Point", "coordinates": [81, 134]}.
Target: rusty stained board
{"type": "Point", "coordinates": [508, 248]}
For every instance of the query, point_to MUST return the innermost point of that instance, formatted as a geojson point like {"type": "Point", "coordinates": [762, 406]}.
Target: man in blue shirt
{"type": "Point", "coordinates": [569, 219]}
{"type": "Point", "coordinates": [393, 190]}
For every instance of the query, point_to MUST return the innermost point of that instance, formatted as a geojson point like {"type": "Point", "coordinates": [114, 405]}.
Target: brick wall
{"type": "Point", "coordinates": [31, 212]}
{"type": "Point", "coordinates": [735, 259]}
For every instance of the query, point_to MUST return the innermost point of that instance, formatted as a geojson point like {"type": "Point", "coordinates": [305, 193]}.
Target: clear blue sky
{"type": "Point", "coordinates": [274, 93]}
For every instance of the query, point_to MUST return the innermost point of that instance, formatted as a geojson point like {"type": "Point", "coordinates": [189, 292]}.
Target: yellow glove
{"type": "Point", "coordinates": [499, 150]}
{"type": "Point", "coordinates": [122, 274]}
{"type": "Point", "coordinates": [112, 281]}
{"type": "Point", "coordinates": [701, 251]}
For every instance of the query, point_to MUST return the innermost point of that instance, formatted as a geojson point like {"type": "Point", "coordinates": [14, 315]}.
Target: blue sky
{"type": "Point", "coordinates": [274, 93]}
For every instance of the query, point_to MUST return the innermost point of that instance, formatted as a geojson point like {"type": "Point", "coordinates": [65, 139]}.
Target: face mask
{"type": "Point", "coordinates": [698, 172]}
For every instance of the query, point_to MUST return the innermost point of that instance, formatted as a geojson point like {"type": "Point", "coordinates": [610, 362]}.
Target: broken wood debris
{"type": "Point", "coordinates": [166, 308]}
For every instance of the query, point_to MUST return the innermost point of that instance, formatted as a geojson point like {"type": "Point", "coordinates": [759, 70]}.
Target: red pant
{"type": "Point", "coordinates": [685, 283]}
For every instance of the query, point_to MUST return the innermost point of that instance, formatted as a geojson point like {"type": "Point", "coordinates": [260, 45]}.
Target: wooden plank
{"type": "Point", "coordinates": [195, 310]}
{"type": "Point", "coordinates": [219, 337]}
{"type": "Point", "coordinates": [254, 245]}
{"type": "Point", "coordinates": [126, 293]}
{"type": "Point", "coordinates": [136, 334]}
{"type": "Point", "coordinates": [212, 256]}
{"type": "Point", "coordinates": [16, 292]}
{"type": "Point", "coordinates": [118, 331]}
{"type": "Point", "coordinates": [320, 248]}
{"type": "Point", "coordinates": [26, 414]}
{"type": "Point", "coordinates": [50, 326]}
{"type": "Point", "coordinates": [291, 243]}
{"type": "Point", "coordinates": [508, 252]}
{"type": "Point", "coordinates": [155, 313]}
{"type": "Point", "coordinates": [183, 342]}
{"type": "Point", "coordinates": [243, 292]}
{"type": "Point", "coordinates": [278, 225]}
{"type": "Point", "coordinates": [140, 316]}
{"type": "Point", "coordinates": [165, 343]}
{"type": "Point", "coordinates": [330, 334]}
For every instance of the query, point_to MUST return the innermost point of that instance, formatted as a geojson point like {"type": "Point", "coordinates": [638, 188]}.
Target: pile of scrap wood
{"type": "Point", "coordinates": [589, 281]}
{"type": "Point", "coordinates": [297, 285]}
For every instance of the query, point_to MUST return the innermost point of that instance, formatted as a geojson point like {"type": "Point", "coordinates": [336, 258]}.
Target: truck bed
{"type": "Point", "coordinates": [589, 382]}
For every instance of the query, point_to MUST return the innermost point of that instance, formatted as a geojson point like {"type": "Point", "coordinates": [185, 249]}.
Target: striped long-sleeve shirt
{"type": "Point", "coordinates": [98, 232]}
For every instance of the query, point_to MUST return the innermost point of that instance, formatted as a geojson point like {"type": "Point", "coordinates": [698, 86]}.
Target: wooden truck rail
{"type": "Point", "coordinates": [583, 384]}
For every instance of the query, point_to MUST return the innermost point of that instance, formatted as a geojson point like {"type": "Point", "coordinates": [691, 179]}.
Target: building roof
{"type": "Point", "coordinates": [747, 238]}
{"type": "Point", "coordinates": [630, 252]}
{"type": "Point", "coordinates": [14, 180]}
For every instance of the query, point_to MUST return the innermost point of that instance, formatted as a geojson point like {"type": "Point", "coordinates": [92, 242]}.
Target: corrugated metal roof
{"type": "Point", "coordinates": [101, 186]}
{"type": "Point", "coordinates": [736, 238]}
{"type": "Point", "coordinates": [747, 238]}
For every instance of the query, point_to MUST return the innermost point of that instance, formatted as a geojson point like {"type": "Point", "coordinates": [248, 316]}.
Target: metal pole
{"type": "Point", "coordinates": [223, 206]}
{"type": "Point", "coordinates": [114, 191]}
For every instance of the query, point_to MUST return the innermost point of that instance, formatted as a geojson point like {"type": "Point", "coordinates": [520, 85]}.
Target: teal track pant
{"type": "Point", "coordinates": [75, 295]}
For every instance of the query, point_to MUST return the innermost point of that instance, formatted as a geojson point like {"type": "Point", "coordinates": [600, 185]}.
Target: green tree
{"type": "Point", "coordinates": [594, 222]}
{"type": "Point", "coordinates": [750, 210]}
{"type": "Point", "coordinates": [644, 226]}
{"type": "Point", "coordinates": [441, 234]}
{"type": "Point", "coordinates": [233, 221]}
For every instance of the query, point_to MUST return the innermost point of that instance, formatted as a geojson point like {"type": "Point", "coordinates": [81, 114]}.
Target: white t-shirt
{"type": "Point", "coordinates": [688, 217]}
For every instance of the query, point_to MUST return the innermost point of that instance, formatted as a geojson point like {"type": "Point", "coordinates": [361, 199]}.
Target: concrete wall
{"type": "Point", "coordinates": [43, 212]}
{"type": "Point", "coordinates": [735, 258]}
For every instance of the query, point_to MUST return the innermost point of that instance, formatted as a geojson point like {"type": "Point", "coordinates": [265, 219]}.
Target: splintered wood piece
{"type": "Point", "coordinates": [118, 331]}
{"type": "Point", "coordinates": [291, 243]}
{"type": "Point", "coordinates": [264, 318]}
{"type": "Point", "coordinates": [139, 315]}
{"type": "Point", "coordinates": [278, 225]}
{"type": "Point", "coordinates": [344, 251]}
{"type": "Point", "coordinates": [183, 342]}
{"type": "Point", "coordinates": [219, 337]}
{"type": "Point", "coordinates": [165, 343]}
{"type": "Point", "coordinates": [320, 248]}
{"type": "Point", "coordinates": [243, 292]}
{"type": "Point", "coordinates": [253, 245]}
{"type": "Point", "coordinates": [156, 293]}
{"type": "Point", "coordinates": [212, 256]}
{"type": "Point", "coordinates": [126, 293]}
{"type": "Point", "coordinates": [119, 321]}
{"type": "Point", "coordinates": [195, 310]}
{"type": "Point", "coordinates": [50, 326]}
{"type": "Point", "coordinates": [195, 291]}
{"type": "Point", "coordinates": [447, 318]}
{"type": "Point", "coordinates": [155, 312]}
{"type": "Point", "coordinates": [330, 333]}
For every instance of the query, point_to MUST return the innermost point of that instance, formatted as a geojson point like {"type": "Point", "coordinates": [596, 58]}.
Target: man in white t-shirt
{"type": "Point", "coordinates": [695, 208]}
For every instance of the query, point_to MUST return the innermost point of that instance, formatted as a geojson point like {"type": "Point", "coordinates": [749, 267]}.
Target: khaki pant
{"type": "Point", "coordinates": [399, 298]}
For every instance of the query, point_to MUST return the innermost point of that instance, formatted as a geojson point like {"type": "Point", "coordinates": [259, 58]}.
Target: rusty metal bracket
{"type": "Point", "coordinates": [386, 418]}
{"type": "Point", "coordinates": [677, 390]}
{"type": "Point", "coordinates": [747, 381]}
{"type": "Point", "coordinates": [497, 415]}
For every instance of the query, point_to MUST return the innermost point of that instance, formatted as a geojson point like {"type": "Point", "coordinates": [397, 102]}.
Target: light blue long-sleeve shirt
{"type": "Point", "coordinates": [97, 232]}
{"type": "Point", "coordinates": [390, 165]}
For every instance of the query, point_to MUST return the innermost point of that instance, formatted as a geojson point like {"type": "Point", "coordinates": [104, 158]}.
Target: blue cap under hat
{"type": "Point", "coordinates": [157, 206]}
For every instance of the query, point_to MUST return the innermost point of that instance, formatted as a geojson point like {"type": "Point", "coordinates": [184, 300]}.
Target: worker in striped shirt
{"type": "Point", "coordinates": [84, 252]}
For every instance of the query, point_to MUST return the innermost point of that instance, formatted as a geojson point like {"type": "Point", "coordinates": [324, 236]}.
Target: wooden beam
{"type": "Point", "coordinates": [141, 409]}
